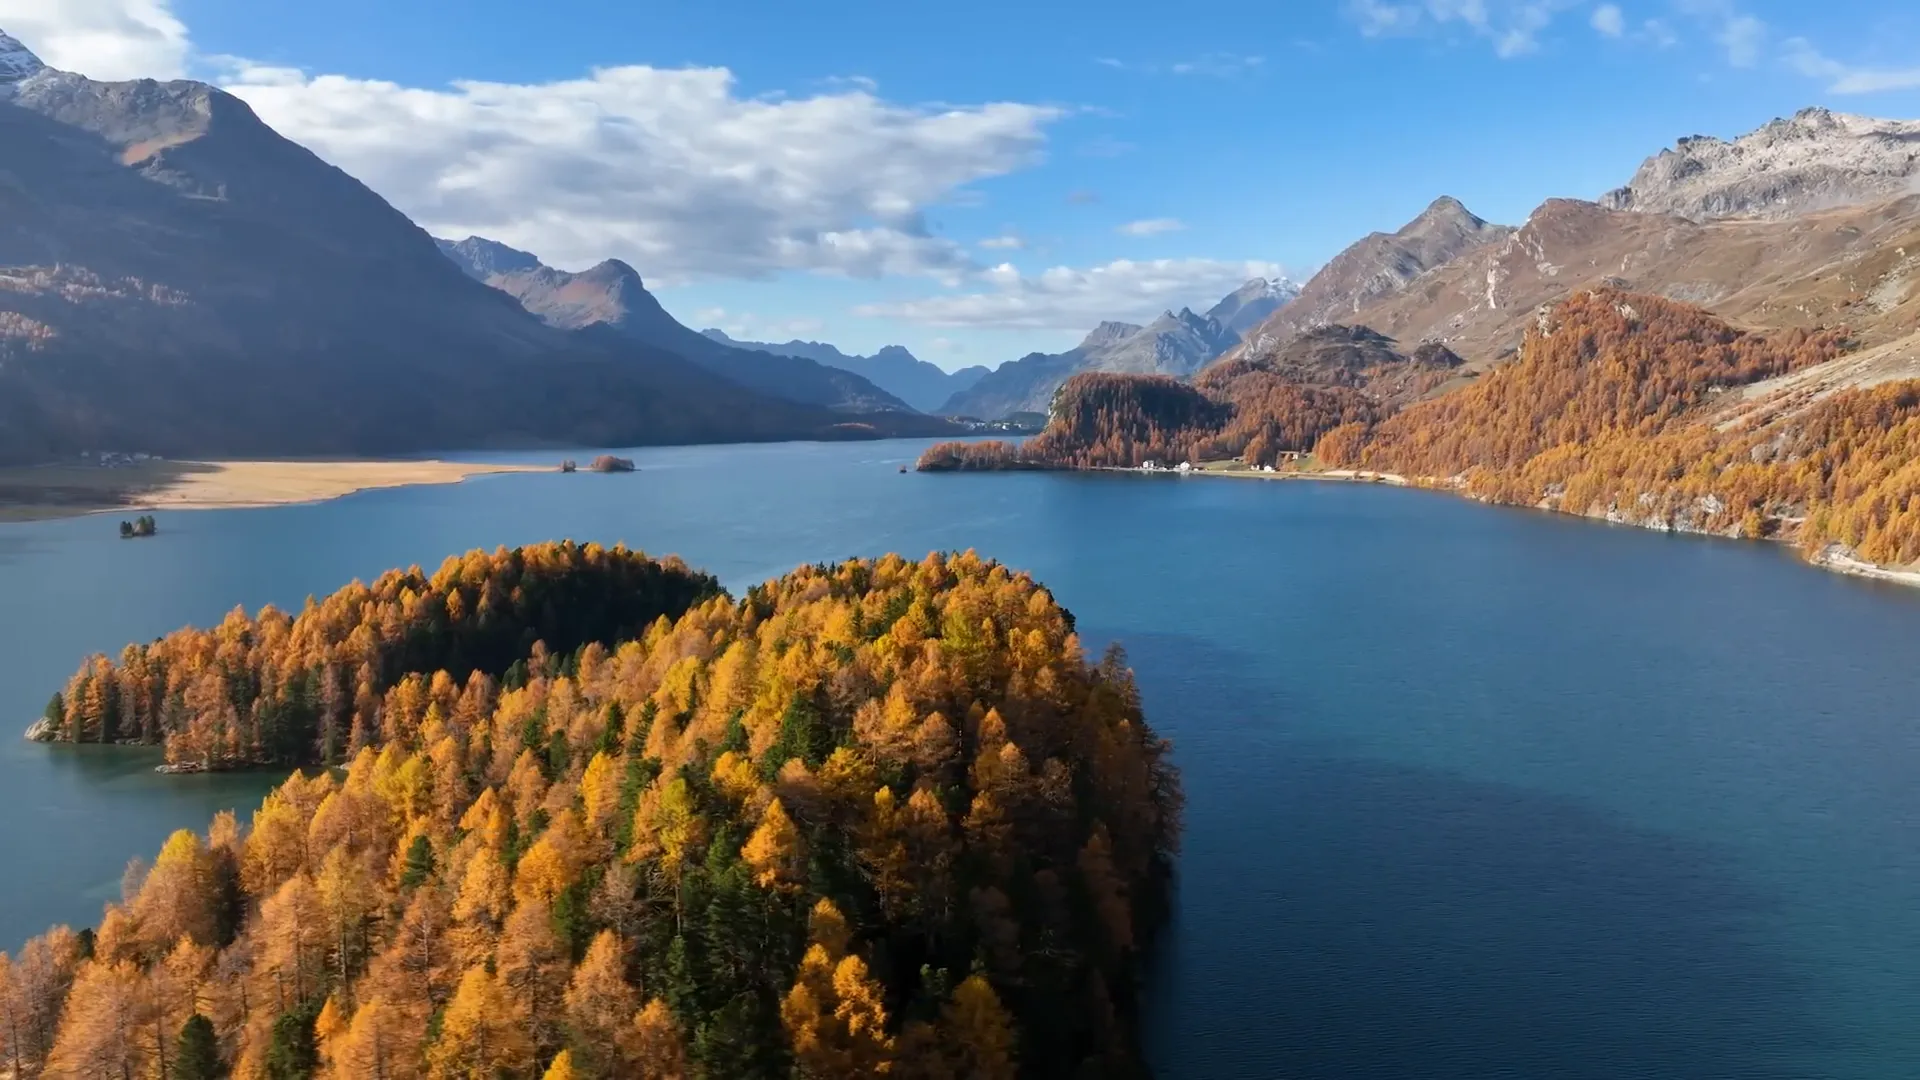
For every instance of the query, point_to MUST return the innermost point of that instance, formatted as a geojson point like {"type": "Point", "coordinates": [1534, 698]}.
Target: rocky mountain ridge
{"type": "Point", "coordinates": [1178, 344]}
{"type": "Point", "coordinates": [611, 294]}
{"type": "Point", "coordinates": [1815, 160]}
{"type": "Point", "coordinates": [1376, 266]}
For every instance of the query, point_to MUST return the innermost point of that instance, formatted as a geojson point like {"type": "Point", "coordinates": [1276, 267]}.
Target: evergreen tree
{"type": "Point", "coordinates": [196, 1055]}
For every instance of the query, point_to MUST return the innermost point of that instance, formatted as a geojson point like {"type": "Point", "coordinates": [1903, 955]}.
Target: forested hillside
{"type": "Point", "coordinates": [352, 670]}
{"type": "Point", "coordinates": [1259, 410]}
{"type": "Point", "coordinates": [879, 818]}
{"type": "Point", "coordinates": [1630, 407]}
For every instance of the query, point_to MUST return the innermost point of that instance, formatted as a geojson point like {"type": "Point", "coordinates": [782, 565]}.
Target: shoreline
{"type": "Point", "coordinates": [1834, 559]}
{"type": "Point", "coordinates": [51, 492]}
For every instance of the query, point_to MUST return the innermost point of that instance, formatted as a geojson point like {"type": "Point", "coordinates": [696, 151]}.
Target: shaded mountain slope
{"type": "Point", "coordinates": [176, 277]}
{"type": "Point", "coordinates": [611, 294]}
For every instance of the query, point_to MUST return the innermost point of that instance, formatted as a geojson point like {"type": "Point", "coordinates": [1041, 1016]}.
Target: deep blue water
{"type": "Point", "coordinates": [1472, 792]}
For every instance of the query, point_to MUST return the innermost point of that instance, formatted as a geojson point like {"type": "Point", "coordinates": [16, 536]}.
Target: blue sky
{"type": "Point", "coordinates": [982, 180]}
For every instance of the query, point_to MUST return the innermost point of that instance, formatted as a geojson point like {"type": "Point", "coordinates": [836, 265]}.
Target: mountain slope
{"type": "Point", "coordinates": [894, 369]}
{"type": "Point", "coordinates": [1815, 160]}
{"type": "Point", "coordinates": [611, 294]}
{"type": "Point", "coordinates": [176, 277]}
{"type": "Point", "coordinates": [1027, 384]}
{"type": "Point", "coordinates": [1177, 344]}
{"type": "Point", "coordinates": [1856, 267]}
{"type": "Point", "coordinates": [1377, 266]}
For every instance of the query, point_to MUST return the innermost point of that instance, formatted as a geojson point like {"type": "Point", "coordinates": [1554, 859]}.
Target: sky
{"type": "Point", "coordinates": [978, 181]}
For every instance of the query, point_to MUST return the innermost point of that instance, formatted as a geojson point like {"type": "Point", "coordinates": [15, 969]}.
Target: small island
{"type": "Point", "coordinates": [523, 782]}
{"type": "Point", "coordinates": [607, 463]}
{"type": "Point", "coordinates": [139, 527]}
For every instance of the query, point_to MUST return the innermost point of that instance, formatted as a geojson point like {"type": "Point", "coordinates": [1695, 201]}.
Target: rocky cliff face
{"type": "Point", "coordinates": [1814, 160]}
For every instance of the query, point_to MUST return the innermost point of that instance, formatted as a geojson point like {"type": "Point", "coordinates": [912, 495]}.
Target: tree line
{"type": "Point", "coordinates": [873, 818]}
{"type": "Point", "coordinates": [313, 688]}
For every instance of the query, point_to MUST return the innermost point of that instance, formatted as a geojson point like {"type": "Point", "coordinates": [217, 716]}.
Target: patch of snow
{"type": "Point", "coordinates": [17, 62]}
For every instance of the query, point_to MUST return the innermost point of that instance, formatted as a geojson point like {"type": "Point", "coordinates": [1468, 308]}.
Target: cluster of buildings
{"type": "Point", "coordinates": [115, 459]}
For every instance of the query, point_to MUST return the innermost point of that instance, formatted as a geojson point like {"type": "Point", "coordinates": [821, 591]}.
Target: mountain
{"type": "Point", "coordinates": [894, 369]}
{"type": "Point", "coordinates": [611, 294]}
{"type": "Point", "coordinates": [1250, 304]}
{"type": "Point", "coordinates": [1856, 267]}
{"type": "Point", "coordinates": [176, 277]}
{"type": "Point", "coordinates": [17, 62]}
{"type": "Point", "coordinates": [1177, 343]}
{"type": "Point", "coordinates": [1351, 357]}
{"type": "Point", "coordinates": [1815, 160]}
{"type": "Point", "coordinates": [1377, 266]}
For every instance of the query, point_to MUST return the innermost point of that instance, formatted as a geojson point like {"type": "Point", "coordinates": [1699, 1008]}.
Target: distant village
{"type": "Point", "coordinates": [1184, 467]}
{"type": "Point", "coordinates": [1020, 424]}
{"type": "Point", "coordinates": [115, 459]}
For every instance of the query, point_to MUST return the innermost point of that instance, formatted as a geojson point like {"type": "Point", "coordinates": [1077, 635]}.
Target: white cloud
{"type": "Point", "coordinates": [1742, 37]}
{"type": "Point", "coordinates": [1069, 298]}
{"type": "Point", "coordinates": [101, 39]}
{"type": "Point", "coordinates": [1003, 243]}
{"type": "Point", "coordinates": [1513, 26]}
{"type": "Point", "coordinates": [742, 326]}
{"type": "Point", "coordinates": [670, 169]}
{"type": "Point", "coordinates": [1609, 20]}
{"type": "Point", "coordinates": [1842, 78]}
{"type": "Point", "coordinates": [1150, 227]}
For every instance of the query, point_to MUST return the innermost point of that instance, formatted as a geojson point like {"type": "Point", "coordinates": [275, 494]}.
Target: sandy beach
{"type": "Point", "coordinates": [30, 493]}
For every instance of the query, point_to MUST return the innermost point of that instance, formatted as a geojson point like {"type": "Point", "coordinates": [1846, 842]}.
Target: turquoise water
{"type": "Point", "coordinates": [1472, 792]}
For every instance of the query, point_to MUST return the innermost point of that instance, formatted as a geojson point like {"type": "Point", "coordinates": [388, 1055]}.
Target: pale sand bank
{"type": "Point", "coordinates": [49, 491]}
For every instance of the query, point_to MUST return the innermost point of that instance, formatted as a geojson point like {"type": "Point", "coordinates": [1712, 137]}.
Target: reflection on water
{"type": "Point", "coordinates": [1472, 792]}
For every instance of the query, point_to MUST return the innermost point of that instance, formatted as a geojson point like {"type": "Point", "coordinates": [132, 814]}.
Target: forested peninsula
{"type": "Point", "coordinates": [590, 816]}
{"type": "Point", "coordinates": [1628, 407]}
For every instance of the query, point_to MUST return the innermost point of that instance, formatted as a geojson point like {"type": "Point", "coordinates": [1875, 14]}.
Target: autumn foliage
{"type": "Point", "coordinates": [1258, 410]}
{"type": "Point", "coordinates": [1626, 406]}
{"type": "Point", "coordinates": [359, 668]}
{"type": "Point", "coordinates": [875, 818]}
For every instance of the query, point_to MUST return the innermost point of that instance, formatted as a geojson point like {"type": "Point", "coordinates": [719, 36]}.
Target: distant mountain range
{"type": "Point", "coordinates": [1177, 343]}
{"type": "Point", "coordinates": [176, 277]}
{"type": "Point", "coordinates": [920, 384]}
{"type": "Point", "coordinates": [612, 295]}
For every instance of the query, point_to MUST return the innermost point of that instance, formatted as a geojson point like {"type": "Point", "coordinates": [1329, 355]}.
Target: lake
{"type": "Point", "coordinates": [1472, 792]}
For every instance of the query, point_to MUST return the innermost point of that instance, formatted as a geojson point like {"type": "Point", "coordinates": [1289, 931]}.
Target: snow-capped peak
{"type": "Point", "coordinates": [1280, 288]}
{"type": "Point", "coordinates": [17, 62]}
